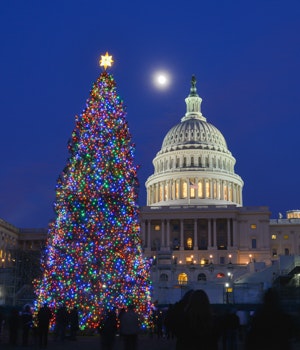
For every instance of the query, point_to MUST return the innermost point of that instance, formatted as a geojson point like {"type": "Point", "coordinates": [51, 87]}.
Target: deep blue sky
{"type": "Point", "coordinates": [245, 55]}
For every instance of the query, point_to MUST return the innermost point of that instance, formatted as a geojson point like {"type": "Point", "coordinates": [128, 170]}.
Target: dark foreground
{"type": "Point", "coordinates": [145, 342]}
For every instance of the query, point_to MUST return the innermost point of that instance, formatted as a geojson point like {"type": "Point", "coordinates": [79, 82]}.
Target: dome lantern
{"type": "Point", "coordinates": [193, 103]}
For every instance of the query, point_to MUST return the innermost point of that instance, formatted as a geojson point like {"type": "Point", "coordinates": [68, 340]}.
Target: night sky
{"type": "Point", "coordinates": [244, 54]}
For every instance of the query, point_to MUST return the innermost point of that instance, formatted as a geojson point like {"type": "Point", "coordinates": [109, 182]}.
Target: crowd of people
{"type": "Point", "coordinates": [22, 330]}
{"type": "Point", "coordinates": [195, 324]}
{"type": "Point", "coordinates": [192, 322]}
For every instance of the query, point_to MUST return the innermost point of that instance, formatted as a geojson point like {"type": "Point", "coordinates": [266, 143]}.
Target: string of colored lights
{"type": "Point", "coordinates": [93, 258]}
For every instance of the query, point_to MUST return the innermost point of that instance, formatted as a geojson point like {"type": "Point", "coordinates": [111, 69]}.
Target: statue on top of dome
{"type": "Point", "coordinates": [194, 81]}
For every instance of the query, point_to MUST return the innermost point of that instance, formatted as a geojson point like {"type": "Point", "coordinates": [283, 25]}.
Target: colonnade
{"type": "Point", "coordinates": [148, 230]}
{"type": "Point", "coordinates": [198, 188]}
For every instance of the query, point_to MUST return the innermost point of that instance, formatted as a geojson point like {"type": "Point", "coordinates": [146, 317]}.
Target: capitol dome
{"type": "Point", "coordinates": [194, 133]}
{"type": "Point", "coordinates": [194, 165]}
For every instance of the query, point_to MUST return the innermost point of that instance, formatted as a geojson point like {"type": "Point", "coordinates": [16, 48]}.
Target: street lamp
{"type": "Point", "coordinates": [227, 285]}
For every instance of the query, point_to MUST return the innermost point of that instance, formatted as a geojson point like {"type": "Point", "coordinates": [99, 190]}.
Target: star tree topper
{"type": "Point", "coordinates": [106, 61]}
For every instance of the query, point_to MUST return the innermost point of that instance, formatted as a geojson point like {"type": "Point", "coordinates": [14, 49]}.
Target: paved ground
{"type": "Point", "coordinates": [93, 343]}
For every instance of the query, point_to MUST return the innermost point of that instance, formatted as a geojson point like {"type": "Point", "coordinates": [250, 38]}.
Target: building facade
{"type": "Point", "coordinates": [194, 227]}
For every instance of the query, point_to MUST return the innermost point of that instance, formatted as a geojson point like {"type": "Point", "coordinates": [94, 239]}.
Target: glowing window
{"type": "Point", "coordinates": [274, 237]}
{"type": "Point", "coordinates": [193, 186]}
{"type": "Point", "coordinates": [157, 227]}
{"type": "Point", "coordinates": [286, 237]}
{"type": "Point", "coordinates": [253, 226]}
{"type": "Point", "coordinates": [177, 190]}
{"type": "Point", "coordinates": [184, 190]}
{"type": "Point", "coordinates": [207, 189]}
{"type": "Point", "coordinates": [182, 278]}
{"type": "Point", "coordinates": [166, 192]}
{"type": "Point", "coordinates": [225, 192]}
{"type": "Point", "coordinates": [189, 260]}
{"type": "Point", "coordinates": [215, 190]}
{"type": "Point", "coordinates": [160, 192]}
{"type": "Point", "coordinates": [200, 189]}
{"type": "Point", "coordinates": [189, 243]}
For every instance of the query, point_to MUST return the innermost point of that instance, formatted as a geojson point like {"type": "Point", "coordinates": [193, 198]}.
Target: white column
{"type": "Point", "coordinates": [215, 232]}
{"type": "Point", "coordinates": [229, 243]}
{"type": "Point", "coordinates": [209, 233]}
{"type": "Point", "coordinates": [168, 234]}
{"type": "Point", "coordinates": [222, 189]}
{"type": "Point", "coordinates": [162, 233]}
{"type": "Point", "coordinates": [234, 233]}
{"type": "Point", "coordinates": [195, 235]}
{"type": "Point", "coordinates": [181, 235]}
{"type": "Point", "coordinates": [234, 193]}
{"type": "Point", "coordinates": [149, 234]}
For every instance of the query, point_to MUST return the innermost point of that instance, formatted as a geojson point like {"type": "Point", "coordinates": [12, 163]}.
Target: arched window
{"type": "Point", "coordinates": [163, 277]}
{"type": "Point", "coordinates": [182, 278]}
{"type": "Point", "coordinates": [201, 277]}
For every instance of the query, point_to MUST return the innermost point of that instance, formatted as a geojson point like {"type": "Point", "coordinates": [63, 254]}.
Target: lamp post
{"type": "Point", "coordinates": [227, 286]}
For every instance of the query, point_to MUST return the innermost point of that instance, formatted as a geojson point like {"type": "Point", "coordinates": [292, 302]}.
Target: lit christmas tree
{"type": "Point", "coordinates": [93, 258]}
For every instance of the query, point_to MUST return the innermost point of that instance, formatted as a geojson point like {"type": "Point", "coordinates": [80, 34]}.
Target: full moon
{"type": "Point", "coordinates": [161, 80]}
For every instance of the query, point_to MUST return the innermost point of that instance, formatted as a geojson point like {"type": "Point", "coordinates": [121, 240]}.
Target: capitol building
{"type": "Point", "coordinates": [195, 227]}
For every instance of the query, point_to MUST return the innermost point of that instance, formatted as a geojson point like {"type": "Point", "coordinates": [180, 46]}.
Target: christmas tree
{"type": "Point", "coordinates": [93, 258]}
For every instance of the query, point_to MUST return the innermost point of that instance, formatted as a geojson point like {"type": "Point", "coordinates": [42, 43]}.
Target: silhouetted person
{"type": "Point", "coordinates": [74, 323]}
{"type": "Point", "coordinates": [271, 327]}
{"type": "Point", "coordinates": [175, 318]}
{"type": "Point", "coordinates": [26, 322]}
{"type": "Point", "coordinates": [243, 316]}
{"type": "Point", "coordinates": [109, 330]}
{"type": "Point", "coordinates": [168, 322]}
{"type": "Point", "coordinates": [1, 321]}
{"type": "Point", "coordinates": [198, 328]}
{"type": "Point", "coordinates": [130, 328]}
{"type": "Point", "coordinates": [158, 323]}
{"type": "Point", "coordinates": [61, 322]}
{"type": "Point", "coordinates": [43, 318]}
{"type": "Point", "coordinates": [13, 326]}
{"type": "Point", "coordinates": [230, 330]}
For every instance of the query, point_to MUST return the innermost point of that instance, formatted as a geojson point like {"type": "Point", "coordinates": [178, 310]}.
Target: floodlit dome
{"type": "Point", "coordinates": [194, 165]}
{"type": "Point", "coordinates": [194, 133]}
